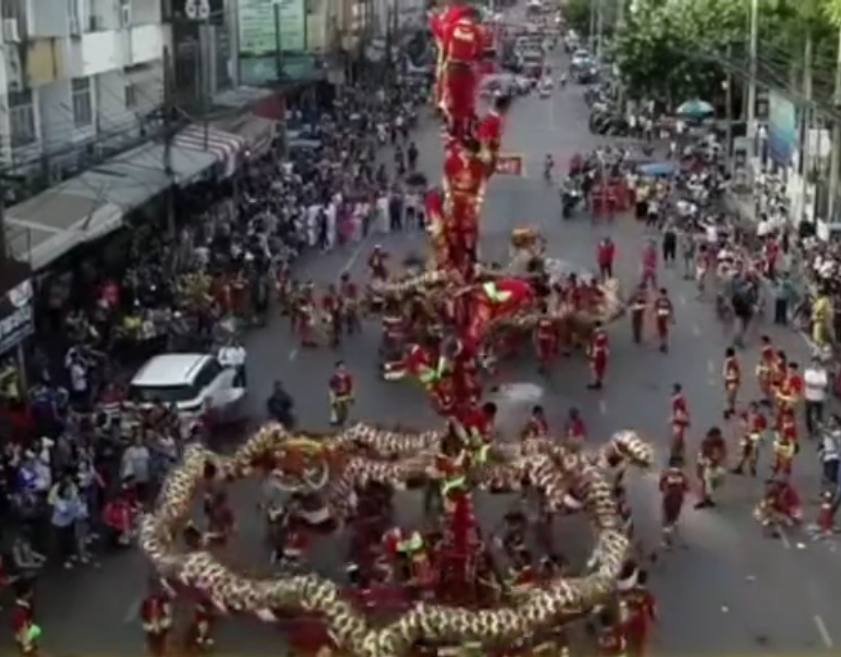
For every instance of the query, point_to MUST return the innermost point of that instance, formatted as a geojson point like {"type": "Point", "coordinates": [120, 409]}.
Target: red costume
{"type": "Point", "coordinates": [377, 264]}
{"type": "Point", "coordinates": [200, 631]}
{"type": "Point", "coordinates": [732, 373]}
{"type": "Point", "coordinates": [444, 396]}
{"type": "Point", "coordinates": [611, 641]}
{"type": "Point", "coordinates": [490, 139]}
{"type": "Point", "coordinates": [464, 191]}
{"type": "Point", "coordinates": [476, 425]}
{"type": "Point", "coordinates": [463, 48]}
{"type": "Point", "coordinates": [765, 370]}
{"type": "Point", "coordinates": [23, 622]}
{"type": "Point", "coordinates": [642, 609]}
{"type": "Point", "coordinates": [673, 488]}
{"type": "Point", "coordinates": [156, 616]}
{"type": "Point", "coordinates": [546, 341]}
{"type": "Point", "coordinates": [598, 352]}
{"type": "Point", "coordinates": [576, 431]}
{"type": "Point", "coordinates": [438, 229]}
{"type": "Point", "coordinates": [495, 300]}
{"type": "Point", "coordinates": [341, 396]}
{"type": "Point", "coordinates": [536, 427]}
{"type": "Point", "coordinates": [679, 422]}
{"type": "Point", "coordinates": [461, 524]}
{"type": "Point", "coordinates": [663, 314]}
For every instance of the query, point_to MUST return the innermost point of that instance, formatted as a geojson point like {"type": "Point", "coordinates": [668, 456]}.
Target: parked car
{"type": "Point", "coordinates": [194, 383]}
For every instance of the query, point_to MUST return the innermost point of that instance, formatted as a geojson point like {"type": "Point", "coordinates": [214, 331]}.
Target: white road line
{"type": "Point", "coordinates": [784, 539]}
{"type": "Point", "coordinates": [293, 354]}
{"type": "Point", "coordinates": [132, 614]}
{"type": "Point", "coordinates": [602, 407]}
{"type": "Point", "coordinates": [823, 632]}
{"type": "Point", "coordinates": [356, 253]}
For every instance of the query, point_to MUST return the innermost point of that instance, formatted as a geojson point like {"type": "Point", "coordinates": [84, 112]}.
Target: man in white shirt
{"type": "Point", "coordinates": [233, 355]}
{"type": "Point", "coordinates": [816, 385]}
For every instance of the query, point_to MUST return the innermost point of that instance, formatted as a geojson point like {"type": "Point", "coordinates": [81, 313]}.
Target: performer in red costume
{"type": "Point", "coordinates": [490, 134]}
{"type": "Point", "coordinates": [461, 527]}
{"type": "Point", "coordinates": [464, 191]}
{"type": "Point", "coordinates": [438, 229]}
{"type": "Point", "coordinates": [598, 352]}
{"type": "Point", "coordinates": [199, 638]}
{"type": "Point", "coordinates": [463, 48]}
{"type": "Point", "coordinates": [156, 616]}
{"type": "Point", "coordinates": [494, 300]}
{"type": "Point", "coordinates": [679, 421]}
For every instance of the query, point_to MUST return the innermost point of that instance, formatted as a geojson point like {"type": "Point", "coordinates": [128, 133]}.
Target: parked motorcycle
{"type": "Point", "coordinates": [572, 196]}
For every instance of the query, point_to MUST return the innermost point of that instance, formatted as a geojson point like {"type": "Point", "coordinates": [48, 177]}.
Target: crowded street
{"type": "Point", "coordinates": [727, 589]}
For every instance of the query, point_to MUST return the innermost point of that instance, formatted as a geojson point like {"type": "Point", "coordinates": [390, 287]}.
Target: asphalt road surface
{"type": "Point", "coordinates": [729, 591]}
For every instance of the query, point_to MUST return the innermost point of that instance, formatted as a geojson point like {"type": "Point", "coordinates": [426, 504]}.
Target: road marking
{"type": "Point", "coordinates": [602, 407]}
{"type": "Point", "coordinates": [356, 253]}
{"type": "Point", "coordinates": [823, 632]}
{"type": "Point", "coordinates": [293, 354]}
{"type": "Point", "coordinates": [133, 612]}
{"type": "Point", "coordinates": [784, 539]}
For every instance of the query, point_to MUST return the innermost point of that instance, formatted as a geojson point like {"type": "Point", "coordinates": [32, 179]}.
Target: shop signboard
{"type": "Point", "coordinates": [266, 27]}
{"type": "Point", "coordinates": [17, 317]}
{"type": "Point", "coordinates": [510, 164]}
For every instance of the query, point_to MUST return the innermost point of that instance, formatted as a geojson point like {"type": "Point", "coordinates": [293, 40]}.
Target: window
{"type": "Point", "coordinates": [163, 394]}
{"type": "Point", "coordinates": [82, 102]}
{"type": "Point", "coordinates": [131, 95]}
{"type": "Point", "coordinates": [207, 375]}
{"type": "Point", "coordinates": [22, 118]}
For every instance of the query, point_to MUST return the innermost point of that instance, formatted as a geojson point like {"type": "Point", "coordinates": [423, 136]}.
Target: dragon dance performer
{"type": "Point", "coordinates": [664, 318]}
{"type": "Point", "coordinates": [537, 425]}
{"type": "Point", "coordinates": [780, 506]}
{"type": "Point", "coordinates": [785, 445]}
{"type": "Point", "coordinates": [546, 339]}
{"type": "Point", "coordinates": [475, 427]}
{"type": "Point", "coordinates": [464, 191]}
{"type": "Point", "coordinates": [754, 426]}
{"type": "Point", "coordinates": [790, 391]}
{"type": "Point", "coordinates": [490, 132]}
{"type": "Point", "coordinates": [711, 458]}
{"type": "Point", "coordinates": [463, 39]}
{"type": "Point", "coordinates": [679, 421]}
{"type": "Point", "coordinates": [642, 609]}
{"type": "Point", "coordinates": [597, 352]}
{"type": "Point", "coordinates": [438, 230]}
{"type": "Point", "coordinates": [341, 394]}
{"type": "Point", "coordinates": [156, 616]}
{"type": "Point", "coordinates": [199, 637]}
{"type": "Point", "coordinates": [765, 370]}
{"type": "Point", "coordinates": [732, 376]}
{"type": "Point", "coordinates": [493, 300]}
{"type": "Point", "coordinates": [26, 629]}
{"type": "Point", "coordinates": [674, 485]}
{"type": "Point", "coordinates": [610, 635]}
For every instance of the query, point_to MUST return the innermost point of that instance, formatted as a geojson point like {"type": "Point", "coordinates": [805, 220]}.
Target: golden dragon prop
{"type": "Point", "coordinates": [394, 457]}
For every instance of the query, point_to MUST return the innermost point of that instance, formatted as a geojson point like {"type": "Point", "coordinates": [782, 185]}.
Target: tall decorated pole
{"type": "Point", "coordinates": [471, 143]}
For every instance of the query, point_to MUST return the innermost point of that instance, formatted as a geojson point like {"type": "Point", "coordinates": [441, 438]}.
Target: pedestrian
{"type": "Point", "coordinates": [816, 382]}
{"type": "Point", "coordinates": [234, 355]}
{"type": "Point", "coordinates": [669, 243]}
{"type": "Point", "coordinates": [784, 292]}
{"type": "Point", "coordinates": [63, 499]}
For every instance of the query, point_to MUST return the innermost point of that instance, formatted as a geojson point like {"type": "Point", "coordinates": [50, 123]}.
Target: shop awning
{"type": "Point", "coordinates": [258, 132]}
{"type": "Point", "coordinates": [224, 146]}
{"type": "Point", "coordinates": [92, 205]}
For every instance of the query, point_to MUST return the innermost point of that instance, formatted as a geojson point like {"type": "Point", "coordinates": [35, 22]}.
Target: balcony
{"type": "Point", "coordinates": [93, 53]}
{"type": "Point", "coordinates": [45, 61]}
{"type": "Point", "coordinates": [143, 44]}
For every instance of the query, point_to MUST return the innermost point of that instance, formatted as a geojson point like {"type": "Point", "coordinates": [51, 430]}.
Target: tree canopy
{"type": "Point", "coordinates": [666, 50]}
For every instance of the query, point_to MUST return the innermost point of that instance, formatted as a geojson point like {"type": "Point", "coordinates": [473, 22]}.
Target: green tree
{"type": "Point", "coordinates": [668, 51]}
{"type": "Point", "coordinates": [577, 14]}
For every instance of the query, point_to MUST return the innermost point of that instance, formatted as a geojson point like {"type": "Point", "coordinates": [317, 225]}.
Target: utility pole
{"type": "Point", "coordinates": [728, 116]}
{"type": "Point", "coordinates": [806, 126]}
{"type": "Point", "coordinates": [752, 127]}
{"type": "Point", "coordinates": [278, 42]}
{"type": "Point", "coordinates": [593, 13]}
{"type": "Point", "coordinates": [835, 156]}
{"type": "Point", "coordinates": [599, 27]}
{"type": "Point", "coordinates": [169, 136]}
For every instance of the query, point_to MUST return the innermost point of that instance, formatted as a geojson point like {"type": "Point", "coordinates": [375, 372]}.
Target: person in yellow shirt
{"type": "Point", "coordinates": [820, 319]}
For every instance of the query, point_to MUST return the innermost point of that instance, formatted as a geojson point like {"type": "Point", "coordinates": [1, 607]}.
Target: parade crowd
{"type": "Point", "coordinates": [78, 466]}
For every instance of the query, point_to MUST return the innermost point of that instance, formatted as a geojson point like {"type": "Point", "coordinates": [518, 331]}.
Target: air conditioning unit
{"type": "Point", "coordinates": [125, 15]}
{"type": "Point", "coordinates": [11, 31]}
{"type": "Point", "coordinates": [75, 25]}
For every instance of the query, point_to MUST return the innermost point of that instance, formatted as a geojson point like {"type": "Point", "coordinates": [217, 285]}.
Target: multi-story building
{"type": "Point", "coordinates": [76, 76]}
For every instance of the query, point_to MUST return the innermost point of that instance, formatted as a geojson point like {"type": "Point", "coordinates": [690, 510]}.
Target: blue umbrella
{"type": "Point", "coordinates": [695, 109]}
{"type": "Point", "coordinates": [658, 169]}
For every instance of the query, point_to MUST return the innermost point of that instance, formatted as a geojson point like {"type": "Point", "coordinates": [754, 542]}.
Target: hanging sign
{"type": "Point", "coordinates": [263, 29]}
{"type": "Point", "coordinates": [508, 164]}
{"type": "Point", "coordinates": [16, 316]}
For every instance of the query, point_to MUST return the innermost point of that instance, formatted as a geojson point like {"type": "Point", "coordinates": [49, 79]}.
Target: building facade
{"type": "Point", "coordinates": [77, 79]}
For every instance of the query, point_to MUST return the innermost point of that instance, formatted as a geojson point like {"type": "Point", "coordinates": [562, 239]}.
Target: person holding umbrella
{"type": "Point", "coordinates": [695, 109]}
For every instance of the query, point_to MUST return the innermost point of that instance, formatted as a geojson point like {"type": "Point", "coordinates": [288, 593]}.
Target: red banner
{"type": "Point", "coordinates": [510, 165]}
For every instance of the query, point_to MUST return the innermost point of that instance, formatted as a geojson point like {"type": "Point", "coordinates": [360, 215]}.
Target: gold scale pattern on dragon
{"type": "Point", "coordinates": [363, 453]}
